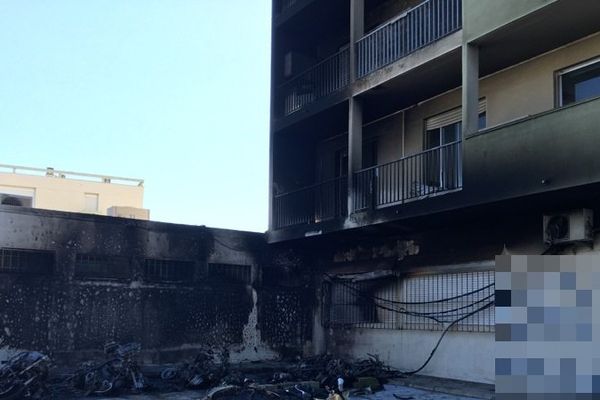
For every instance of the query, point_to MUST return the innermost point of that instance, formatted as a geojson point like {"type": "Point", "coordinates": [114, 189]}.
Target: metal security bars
{"type": "Point", "coordinates": [158, 270]}
{"type": "Point", "coordinates": [102, 267]}
{"type": "Point", "coordinates": [24, 261]}
{"type": "Point", "coordinates": [312, 204]}
{"type": "Point", "coordinates": [413, 177]}
{"type": "Point", "coordinates": [326, 77]}
{"type": "Point", "coordinates": [416, 302]}
{"type": "Point", "coordinates": [417, 28]}
{"type": "Point", "coordinates": [231, 272]}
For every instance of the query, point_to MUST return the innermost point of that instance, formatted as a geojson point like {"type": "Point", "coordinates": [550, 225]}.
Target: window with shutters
{"type": "Point", "coordinates": [442, 160]}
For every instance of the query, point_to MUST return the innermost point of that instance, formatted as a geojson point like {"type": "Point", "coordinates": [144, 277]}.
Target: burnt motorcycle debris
{"type": "Point", "coordinates": [24, 376]}
{"type": "Point", "coordinates": [120, 372]}
{"type": "Point", "coordinates": [208, 369]}
{"type": "Point", "coordinates": [332, 372]}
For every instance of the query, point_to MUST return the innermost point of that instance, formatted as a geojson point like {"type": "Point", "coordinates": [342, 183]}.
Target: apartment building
{"type": "Point", "coordinates": [411, 142]}
{"type": "Point", "coordinates": [69, 191]}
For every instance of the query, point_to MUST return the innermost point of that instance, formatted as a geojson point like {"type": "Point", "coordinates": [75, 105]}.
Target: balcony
{"type": "Point", "coordinates": [405, 34]}
{"type": "Point", "coordinates": [328, 76]}
{"type": "Point", "coordinates": [417, 28]}
{"type": "Point", "coordinates": [313, 204]}
{"type": "Point", "coordinates": [411, 178]}
{"type": "Point", "coordinates": [419, 176]}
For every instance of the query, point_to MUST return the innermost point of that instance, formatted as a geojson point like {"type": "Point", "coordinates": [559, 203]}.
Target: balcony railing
{"type": "Point", "coordinates": [312, 204]}
{"type": "Point", "coordinates": [411, 178]}
{"type": "Point", "coordinates": [321, 80]}
{"type": "Point", "coordinates": [417, 28]}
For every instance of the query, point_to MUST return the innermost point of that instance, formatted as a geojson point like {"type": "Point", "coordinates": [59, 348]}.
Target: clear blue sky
{"type": "Point", "coordinates": [173, 91]}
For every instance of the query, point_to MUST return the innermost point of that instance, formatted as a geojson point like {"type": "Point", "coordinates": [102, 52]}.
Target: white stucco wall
{"type": "Point", "coordinates": [461, 355]}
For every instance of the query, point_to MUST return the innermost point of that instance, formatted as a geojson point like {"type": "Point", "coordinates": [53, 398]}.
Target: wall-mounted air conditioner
{"type": "Point", "coordinates": [570, 226]}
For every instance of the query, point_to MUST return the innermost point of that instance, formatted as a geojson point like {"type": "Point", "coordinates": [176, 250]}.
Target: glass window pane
{"type": "Point", "coordinates": [451, 133]}
{"type": "Point", "coordinates": [482, 120]}
{"type": "Point", "coordinates": [432, 138]}
{"type": "Point", "coordinates": [581, 84]}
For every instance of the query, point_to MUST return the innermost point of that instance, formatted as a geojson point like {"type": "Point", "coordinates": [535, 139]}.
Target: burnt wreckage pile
{"type": "Point", "coordinates": [31, 375]}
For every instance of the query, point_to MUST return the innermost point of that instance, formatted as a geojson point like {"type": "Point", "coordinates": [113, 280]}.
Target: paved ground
{"type": "Point", "coordinates": [391, 392]}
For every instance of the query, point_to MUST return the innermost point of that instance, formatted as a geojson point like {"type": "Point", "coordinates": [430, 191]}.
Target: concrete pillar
{"type": "Point", "coordinates": [355, 120]}
{"type": "Point", "coordinates": [357, 30]}
{"type": "Point", "coordinates": [470, 89]}
{"type": "Point", "coordinates": [355, 140]}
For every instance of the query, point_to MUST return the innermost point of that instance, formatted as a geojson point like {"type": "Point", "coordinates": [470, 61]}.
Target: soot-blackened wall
{"type": "Point", "coordinates": [71, 282]}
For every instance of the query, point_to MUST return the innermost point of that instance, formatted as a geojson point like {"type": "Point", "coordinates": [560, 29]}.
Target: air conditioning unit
{"type": "Point", "coordinates": [568, 227]}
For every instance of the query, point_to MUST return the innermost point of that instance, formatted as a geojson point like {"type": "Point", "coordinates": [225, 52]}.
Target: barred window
{"type": "Point", "coordinates": [234, 272]}
{"type": "Point", "coordinates": [414, 302]}
{"type": "Point", "coordinates": [104, 267]}
{"type": "Point", "coordinates": [159, 270]}
{"type": "Point", "coordinates": [25, 261]}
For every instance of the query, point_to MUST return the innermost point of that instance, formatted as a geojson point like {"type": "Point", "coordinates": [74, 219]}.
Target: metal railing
{"type": "Point", "coordinates": [323, 201]}
{"type": "Point", "coordinates": [55, 173]}
{"type": "Point", "coordinates": [418, 27]}
{"type": "Point", "coordinates": [320, 80]}
{"type": "Point", "coordinates": [417, 176]}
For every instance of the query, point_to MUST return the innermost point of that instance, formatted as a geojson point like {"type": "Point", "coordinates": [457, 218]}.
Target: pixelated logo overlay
{"type": "Point", "coordinates": [547, 334]}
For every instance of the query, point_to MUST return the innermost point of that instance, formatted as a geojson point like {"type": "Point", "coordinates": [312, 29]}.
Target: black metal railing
{"type": "Point", "coordinates": [323, 201]}
{"type": "Point", "coordinates": [320, 80]}
{"type": "Point", "coordinates": [418, 27]}
{"type": "Point", "coordinates": [432, 171]}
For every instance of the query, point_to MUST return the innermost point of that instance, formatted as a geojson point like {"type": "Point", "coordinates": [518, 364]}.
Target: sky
{"type": "Point", "coordinates": [175, 92]}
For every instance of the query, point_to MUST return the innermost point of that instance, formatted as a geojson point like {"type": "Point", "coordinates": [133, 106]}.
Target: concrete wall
{"type": "Point", "coordinates": [483, 16]}
{"type": "Point", "coordinates": [447, 248]}
{"type": "Point", "coordinates": [53, 193]}
{"type": "Point", "coordinates": [70, 315]}
{"type": "Point", "coordinates": [463, 355]}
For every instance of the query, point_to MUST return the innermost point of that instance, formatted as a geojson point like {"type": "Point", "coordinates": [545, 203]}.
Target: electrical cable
{"type": "Point", "coordinates": [488, 305]}
{"type": "Point", "coordinates": [434, 316]}
{"type": "Point", "coordinates": [414, 302]}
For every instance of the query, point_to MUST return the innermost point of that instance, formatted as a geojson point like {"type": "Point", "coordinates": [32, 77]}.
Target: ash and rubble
{"type": "Point", "coordinates": [33, 375]}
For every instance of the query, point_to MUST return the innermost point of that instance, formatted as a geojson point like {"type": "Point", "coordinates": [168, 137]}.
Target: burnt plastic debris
{"type": "Point", "coordinates": [118, 373]}
{"type": "Point", "coordinates": [24, 376]}
{"type": "Point", "coordinates": [27, 375]}
{"type": "Point", "coordinates": [208, 369]}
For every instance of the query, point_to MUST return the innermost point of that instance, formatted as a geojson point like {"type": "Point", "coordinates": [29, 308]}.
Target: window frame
{"type": "Point", "coordinates": [558, 79]}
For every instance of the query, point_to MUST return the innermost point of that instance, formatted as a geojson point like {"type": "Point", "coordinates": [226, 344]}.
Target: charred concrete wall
{"type": "Point", "coordinates": [450, 256]}
{"type": "Point", "coordinates": [71, 282]}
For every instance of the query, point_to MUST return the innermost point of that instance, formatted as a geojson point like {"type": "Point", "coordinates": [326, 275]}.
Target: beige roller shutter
{"type": "Point", "coordinates": [450, 117]}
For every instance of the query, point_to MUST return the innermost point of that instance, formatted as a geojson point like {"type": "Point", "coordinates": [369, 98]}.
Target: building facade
{"type": "Point", "coordinates": [52, 189]}
{"type": "Point", "coordinates": [411, 142]}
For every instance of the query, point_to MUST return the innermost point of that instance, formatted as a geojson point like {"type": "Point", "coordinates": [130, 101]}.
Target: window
{"type": "Point", "coordinates": [102, 267]}
{"type": "Point", "coordinates": [157, 270]}
{"type": "Point", "coordinates": [91, 202]}
{"type": "Point", "coordinates": [413, 302]}
{"type": "Point", "coordinates": [25, 261]}
{"type": "Point", "coordinates": [21, 197]}
{"type": "Point", "coordinates": [442, 133]}
{"type": "Point", "coordinates": [231, 272]}
{"type": "Point", "coordinates": [579, 83]}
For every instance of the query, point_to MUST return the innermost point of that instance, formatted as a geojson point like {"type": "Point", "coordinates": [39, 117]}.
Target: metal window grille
{"type": "Point", "coordinates": [89, 266]}
{"type": "Point", "coordinates": [158, 270]}
{"type": "Point", "coordinates": [414, 302]}
{"type": "Point", "coordinates": [24, 261]}
{"type": "Point", "coordinates": [234, 272]}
